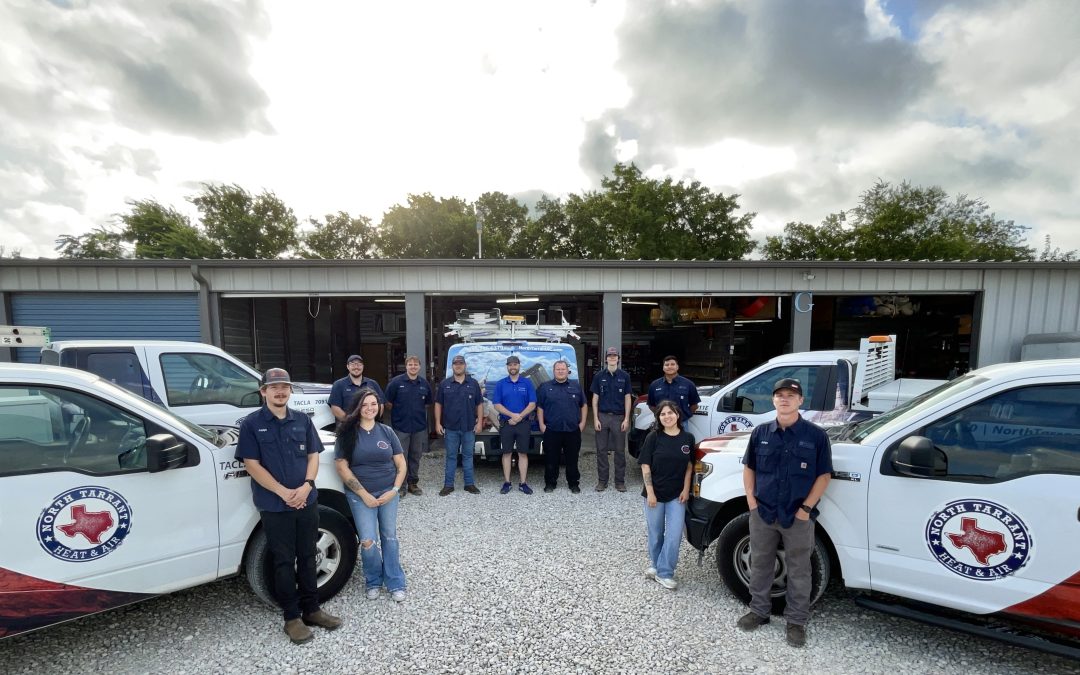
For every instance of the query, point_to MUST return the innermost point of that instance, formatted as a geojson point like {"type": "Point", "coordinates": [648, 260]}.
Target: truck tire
{"type": "Point", "coordinates": [733, 563]}
{"type": "Point", "coordinates": [337, 549]}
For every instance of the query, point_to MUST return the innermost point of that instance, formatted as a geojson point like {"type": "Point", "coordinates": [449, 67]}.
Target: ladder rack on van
{"type": "Point", "coordinates": [877, 364]}
{"type": "Point", "coordinates": [492, 325]}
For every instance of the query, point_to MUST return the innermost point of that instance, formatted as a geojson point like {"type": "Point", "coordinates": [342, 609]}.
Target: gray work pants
{"type": "Point", "coordinates": [798, 542]}
{"type": "Point", "coordinates": [611, 438]}
{"type": "Point", "coordinates": [413, 444]}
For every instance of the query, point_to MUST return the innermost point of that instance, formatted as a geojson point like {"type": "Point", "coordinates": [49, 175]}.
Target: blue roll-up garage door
{"type": "Point", "coordinates": [107, 316]}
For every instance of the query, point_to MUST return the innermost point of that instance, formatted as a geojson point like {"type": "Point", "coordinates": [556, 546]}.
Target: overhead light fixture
{"type": "Point", "coordinates": [639, 302]}
{"type": "Point", "coordinates": [516, 299]}
{"type": "Point", "coordinates": [389, 299]}
{"type": "Point", "coordinates": [740, 322]}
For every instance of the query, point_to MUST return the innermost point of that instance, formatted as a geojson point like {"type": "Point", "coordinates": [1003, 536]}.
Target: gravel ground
{"type": "Point", "coordinates": [548, 583]}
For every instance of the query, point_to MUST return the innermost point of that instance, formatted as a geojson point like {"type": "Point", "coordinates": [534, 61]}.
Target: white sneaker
{"type": "Point", "coordinates": [650, 573]}
{"type": "Point", "coordinates": [398, 596]}
{"type": "Point", "coordinates": [372, 594]}
{"type": "Point", "coordinates": [669, 584]}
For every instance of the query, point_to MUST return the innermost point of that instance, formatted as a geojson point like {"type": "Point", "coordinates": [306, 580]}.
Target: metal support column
{"type": "Point", "coordinates": [802, 310]}
{"type": "Point", "coordinates": [7, 354]}
{"type": "Point", "coordinates": [415, 328]}
{"type": "Point", "coordinates": [611, 332]}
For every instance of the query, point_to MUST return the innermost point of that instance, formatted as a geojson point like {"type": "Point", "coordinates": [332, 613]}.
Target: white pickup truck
{"type": "Point", "coordinates": [964, 498]}
{"type": "Point", "coordinates": [107, 498]}
{"type": "Point", "coordinates": [199, 382]}
{"type": "Point", "coordinates": [840, 385]}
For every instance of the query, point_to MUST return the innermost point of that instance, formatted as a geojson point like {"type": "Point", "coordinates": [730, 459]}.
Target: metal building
{"type": "Point", "coordinates": [723, 315]}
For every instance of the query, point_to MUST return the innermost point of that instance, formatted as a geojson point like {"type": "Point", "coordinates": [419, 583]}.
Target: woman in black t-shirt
{"type": "Point", "coordinates": [667, 463]}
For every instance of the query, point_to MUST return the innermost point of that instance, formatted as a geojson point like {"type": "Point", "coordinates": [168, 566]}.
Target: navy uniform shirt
{"type": "Point", "coordinates": [343, 391]}
{"type": "Point", "coordinates": [282, 448]}
{"type": "Point", "coordinates": [786, 463]}
{"type": "Point", "coordinates": [562, 404]}
{"type": "Point", "coordinates": [410, 399]}
{"type": "Point", "coordinates": [459, 401]}
{"type": "Point", "coordinates": [680, 390]}
{"type": "Point", "coordinates": [611, 390]}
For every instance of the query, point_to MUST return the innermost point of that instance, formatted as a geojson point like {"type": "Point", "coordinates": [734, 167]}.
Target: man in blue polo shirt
{"type": "Point", "coordinates": [459, 414]}
{"type": "Point", "coordinates": [408, 396]}
{"type": "Point", "coordinates": [515, 398]}
{"type": "Point", "coordinates": [561, 411]}
{"type": "Point", "coordinates": [611, 403]}
{"type": "Point", "coordinates": [674, 387]}
{"type": "Point", "coordinates": [788, 464]}
{"type": "Point", "coordinates": [344, 390]}
{"type": "Point", "coordinates": [280, 449]}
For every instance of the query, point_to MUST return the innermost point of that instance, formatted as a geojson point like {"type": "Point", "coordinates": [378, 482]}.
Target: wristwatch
{"type": "Point", "coordinates": [808, 509]}
{"type": "Point", "coordinates": [310, 482]}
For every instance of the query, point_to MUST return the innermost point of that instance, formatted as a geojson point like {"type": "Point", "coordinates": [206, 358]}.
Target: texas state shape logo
{"type": "Point", "coordinates": [979, 539]}
{"type": "Point", "coordinates": [84, 524]}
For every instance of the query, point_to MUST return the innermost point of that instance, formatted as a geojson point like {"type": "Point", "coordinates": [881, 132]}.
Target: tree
{"type": "Point", "coordinates": [243, 225]}
{"type": "Point", "coordinates": [160, 231]}
{"type": "Point", "coordinates": [101, 243]}
{"type": "Point", "coordinates": [905, 222]}
{"type": "Point", "coordinates": [15, 252]}
{"type": "Point", "coordinates": [428, 228]}
{"type": "Point", "coordinates": [504, 222]}
{"type": "Point", "coordinates": [1047, 254]}
{"type": "Point", "coordinates": [339, 236]}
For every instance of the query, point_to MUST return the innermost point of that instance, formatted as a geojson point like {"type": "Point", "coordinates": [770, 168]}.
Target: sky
{"type": "Point", "coordinates": [798, 106]}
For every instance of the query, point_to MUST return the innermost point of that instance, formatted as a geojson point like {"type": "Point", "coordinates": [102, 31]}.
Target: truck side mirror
{"type": "Point", "coordinates": [727, 403]}
{"type": "Point", "coordinates": [164, 452]}
{"type": "Point", "coordinates": [745, 404]}
{"type": "Point", "coordinates": [915, 457]}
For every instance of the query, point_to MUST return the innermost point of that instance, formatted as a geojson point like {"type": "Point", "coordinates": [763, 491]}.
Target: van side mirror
{"type": "Point", "coordinates": [164, 452]}
{"type": "Point", "coordinates": [916, 457]}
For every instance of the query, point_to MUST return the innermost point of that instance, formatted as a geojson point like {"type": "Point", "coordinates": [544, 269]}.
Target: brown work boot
{"type": "Point", "coordinates": [414, 489]}
{"type": "Point", "coordinates": [322, 620]}
{"type": "Point", "coordinates": [472, 489]}
{"type": "Point", "coordinates": [751, 621]}
{"type": "Point", "coordinates": [297, 631]}
{"type": "Point", "coordinates": [796, 635]}
{"type": "Point", "coordinates": [600, 487]}
{"type": "Point", "coordinates": [621, 487]}
{"type": "Point", "coordinates": [445, 491]}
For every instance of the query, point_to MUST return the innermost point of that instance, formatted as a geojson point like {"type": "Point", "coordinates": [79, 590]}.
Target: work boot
{"type": "Point", "coordinates": [445, 491]}
{"type": "Point", "coordinates": [600, 487]}
{"type": "Point", "coordinates": [297, 631]}
{"type": "Point", "coordinates": [414, 489]}
{"type": "Point", "coordinates": [621, 487]}
{"type": "Point", "coordinates": [322, 620]}
{"type": "Point", "coordinates": [796, 635]}
{"type": "Point", "coordinates": [472, 489]}
{"type": "Point", "coordinates": [752, 621]}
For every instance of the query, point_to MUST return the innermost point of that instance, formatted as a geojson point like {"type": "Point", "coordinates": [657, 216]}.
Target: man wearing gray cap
{"type": "Point", "coordinates": [515, 399]}
{"type": "Point", "coordinates": [787, 466]}
{"type": "Point", "coordinates": [611, 403]}
{"type": "Point", "coordinates": [280, 449]}
{"type": "Point", "coordinates": [459, 416]}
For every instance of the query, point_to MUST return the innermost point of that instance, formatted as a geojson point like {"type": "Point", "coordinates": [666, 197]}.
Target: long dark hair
{"type": "Point", "coordinates": [674, 408]}
{"type": "Point", "coordinates": [346, 428]}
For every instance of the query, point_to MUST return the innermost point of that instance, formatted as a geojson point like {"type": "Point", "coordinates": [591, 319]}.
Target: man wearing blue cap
{"type": "Point", "coordinates": [343, 390]}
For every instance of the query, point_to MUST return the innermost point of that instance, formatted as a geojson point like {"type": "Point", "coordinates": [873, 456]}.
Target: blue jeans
{"type": "Point", "coordinates": [664, 523]}
{"type": "Point", "coordinates": [463, 442]}
{"type": "Point", "coordinates": [382, 563]}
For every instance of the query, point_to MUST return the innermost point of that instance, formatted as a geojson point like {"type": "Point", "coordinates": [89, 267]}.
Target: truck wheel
{"type": "Point", "coordinates": [336, 548]}
{"type": "Point", "coordinates": [733, 562]}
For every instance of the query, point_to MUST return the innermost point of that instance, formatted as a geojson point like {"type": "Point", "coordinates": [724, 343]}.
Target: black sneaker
{"type": "Point", "coordinates": [549, 488]}
{"type": "Point", "coordinates": [751, 621]}
{"type": "Point", "coordinates": [575, 490]}
{"type": "Point", "coordinates": [796, 635]}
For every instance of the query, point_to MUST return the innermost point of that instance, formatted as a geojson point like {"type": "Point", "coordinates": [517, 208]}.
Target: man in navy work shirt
{"type": "Point", "coordinates": [280, 449]}
{"type": "Point", "coordinates": [788, 464]}
{"type": "Point", "coordinates": [407, 397]}
{"type": "Point", "coordinates": [459, 414]}
{"type": "Point", "coordinates": [561, 410]}
{"type": "Point", "coordinates": [611, 402]}
{"type": "Point", "coordinates": [674, 387]}
{"type": "Point", "coordinates": [343, 390]}
{"type": "Point", "coordinates": [515, 399]}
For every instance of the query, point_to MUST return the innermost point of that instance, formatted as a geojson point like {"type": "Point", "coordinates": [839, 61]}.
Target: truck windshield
{"type": "Point", "coordinates": [912, 408]}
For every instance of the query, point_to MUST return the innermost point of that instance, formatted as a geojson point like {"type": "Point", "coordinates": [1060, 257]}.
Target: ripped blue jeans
{"type": "Point", "coordinates": [382, 561]}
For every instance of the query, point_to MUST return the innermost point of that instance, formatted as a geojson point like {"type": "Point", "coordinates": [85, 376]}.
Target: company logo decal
{"type": "Point", "coordinates": [978, 539]}
{"type": "Point", "coordinates": [383, 445]}
{"type": "Point", "coordinates": [735, 423]}
{"type": "Point", "coordinates": [84, 524]}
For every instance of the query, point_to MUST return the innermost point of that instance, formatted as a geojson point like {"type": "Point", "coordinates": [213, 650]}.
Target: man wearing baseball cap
{"type": "Point", "coordinates": [343, 390]}
{"type": "Point", "coordinates": [611, 403]}
{"type": "Point", "coordinates": [788, 463]}
{"type": "Point", "coordinates": [515, 399]}
{"type": "Point", "coordinates": [280, 450]}
{"type": "Point", "coordinates": [459, 416]}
